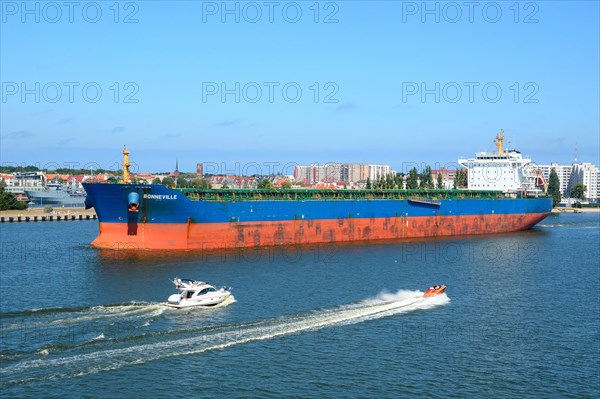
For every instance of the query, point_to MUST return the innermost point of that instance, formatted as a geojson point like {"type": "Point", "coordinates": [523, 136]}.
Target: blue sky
{"type": "Point", "coordinates": [170, 61]}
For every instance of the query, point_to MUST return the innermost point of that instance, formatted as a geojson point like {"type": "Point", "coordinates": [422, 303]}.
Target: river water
{"type": "Point", "coordinates": [521, 317]}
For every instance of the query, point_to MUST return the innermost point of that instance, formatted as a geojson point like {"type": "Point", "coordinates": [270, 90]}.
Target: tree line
{"type": "Point", "coordinates": [415, 180]}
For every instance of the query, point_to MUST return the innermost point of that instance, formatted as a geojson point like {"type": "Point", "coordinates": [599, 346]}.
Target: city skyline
{"type": "Point", "coordinates": [251, 167]}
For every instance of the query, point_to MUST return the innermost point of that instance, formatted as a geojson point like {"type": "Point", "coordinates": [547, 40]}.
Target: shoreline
{"type": "Point", "coordinates": [558, 210]}
{"type": "Point", "coordinates": [30, 212]}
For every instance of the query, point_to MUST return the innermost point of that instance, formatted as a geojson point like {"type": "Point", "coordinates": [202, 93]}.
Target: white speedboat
{"type": "Point", "coordinates": [197, 293]}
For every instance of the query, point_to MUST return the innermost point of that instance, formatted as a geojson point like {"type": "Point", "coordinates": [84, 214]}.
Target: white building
{"type": "Point", "coordinates": [306, 174]}
{"type": "Point", "coordinates": [27, 181]}
{"type": "Point", "coordinates": [587, 174]}
{"type": "Point", "coordinates": [329, 173]}
{"type": "Point", "coordinates": [376, 171]}
{"type": "Point", "coordinates": [337, 172]}
{"type": "Point", "coordinates": [448, 176]}
{"type": "Point", "coordinates": [564, 176]}
{"type": "Point", "coordinates": [8, 179]}
{"type": "Point", "coordinates": [579, 173]}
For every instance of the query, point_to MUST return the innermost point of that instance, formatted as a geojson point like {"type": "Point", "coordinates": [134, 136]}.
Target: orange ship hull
{"type": "Point", "coordinates": [206, 236]}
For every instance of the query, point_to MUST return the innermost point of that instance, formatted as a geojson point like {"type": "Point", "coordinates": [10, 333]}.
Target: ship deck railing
{"type": "Point", "coordinates": [430, 196]}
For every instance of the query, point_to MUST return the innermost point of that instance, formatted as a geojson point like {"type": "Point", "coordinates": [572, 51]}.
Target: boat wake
{"type": "Point", "coordinates": [61, 316]}
{"type": "Point", "coordinates": [88, 359]}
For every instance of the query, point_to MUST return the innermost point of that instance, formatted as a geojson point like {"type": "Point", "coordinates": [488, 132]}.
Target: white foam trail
{"type": "Point", "coordinates": [95, 313]}
{"type": "Point", "coordinates": [385, 304]}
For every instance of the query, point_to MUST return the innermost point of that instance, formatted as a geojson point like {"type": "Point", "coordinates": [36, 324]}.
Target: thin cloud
{"type": "Point", "coordinates": [18, 135]}
{"type": "Point", "coordinates": [66, 141]}
{"type": "Point", "coordinates": [228, 123]}
{"type": "Point", "coordinates": [117, 129]}
{"type": "Point", "coordinates": [345, 107]}
{"type": "Point", "coordinates": [64, 121]}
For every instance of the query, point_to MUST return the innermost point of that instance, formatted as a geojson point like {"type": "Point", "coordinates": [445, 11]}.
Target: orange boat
{"type": "Point", "coordinates": [434, 290]}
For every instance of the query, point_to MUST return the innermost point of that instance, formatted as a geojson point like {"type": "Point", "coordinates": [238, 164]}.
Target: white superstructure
{"type": "Point", "coordinates": [508, 171]}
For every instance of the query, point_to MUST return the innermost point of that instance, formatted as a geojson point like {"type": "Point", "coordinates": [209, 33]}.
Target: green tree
{"type": "Point", "coordinates": [13, 169]}
{"type": "Point", "coordinates": [181, 182]}
{"type": "Point", "coordinates": [200, 183]}
{"type": "Point", "coordinates": [9, 200]}
{"type": "Point", "coordinates": [48, 209]}
{"type": "Point", "coordinates": [286, 184]}
{"type": "Point", "coordinates": [461, 178]}
{"type": "Point", "coordinates": [440, 181]}
{"type": "Point", "coordinates": [554, 188]}
{"type": "Point", "coordinates": [465, 178]}
{"type": "Point", "coordinates": [156, 180]}
{"type": "Point", "coordinates": [112, 180]}
{"type": "Point", "coordinates": [20, 205]}
{"type": "Point", "coordinates": [426, 178]}
{"type": "Point", "coordinates": [168, 182]}
{"type": "Point", "coordinates": [380, 182]}
{"type": "Point", "coordinates": [578, 191]}
{"type": "Point", "coordinates": [389, 181]}
{"type": "Point", "coordinates": [264, 183]}
{"type": "Point", "coordinates": [412, 182]}
{"type": "Point", "coordinates": [430, 182]}
{"type": "Point", "coordinates": [399, 180]}
{"type": "Point", "coordinates": [369, 186]}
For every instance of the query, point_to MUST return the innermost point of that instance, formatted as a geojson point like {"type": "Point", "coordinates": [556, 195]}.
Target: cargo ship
{"type": "Point", "coordinates": [154, 217]}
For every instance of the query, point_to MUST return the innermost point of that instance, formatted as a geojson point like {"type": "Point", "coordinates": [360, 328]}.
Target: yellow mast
{"type": "Point", "coordinates": [498, 141]}
{"type": "Point", "coordinates": [126, 165]}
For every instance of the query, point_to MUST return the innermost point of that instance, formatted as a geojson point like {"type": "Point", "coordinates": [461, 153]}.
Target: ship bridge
{"type": "Point", "coordinates": [507, 171]}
